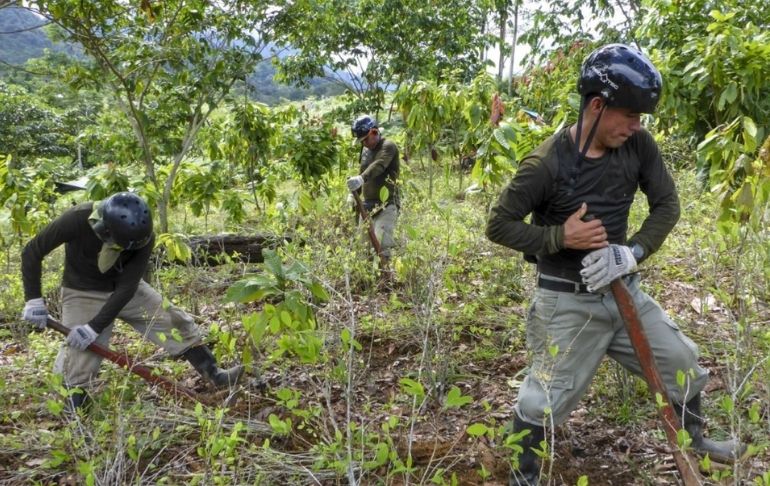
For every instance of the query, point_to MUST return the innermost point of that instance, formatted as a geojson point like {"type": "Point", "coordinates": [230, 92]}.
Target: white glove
{"type": "Point", "coordinates": [601, 267]}
{"type": "Point", "coordinates": [36, 312]}
{"type": "Point", "coordinates": [355, 183]}
{"type": "Point", "coordinates": [80, 337]}
{"type": "Point", "coordinates": [350, 201]}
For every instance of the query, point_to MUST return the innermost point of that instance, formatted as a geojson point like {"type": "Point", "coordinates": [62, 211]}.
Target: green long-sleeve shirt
{"type": "Point", "coordinates": [607, 184]}
{"type": "Point", "coordinates": [380, 167]}
{"type": "Point", "coordinates": [81, 270]}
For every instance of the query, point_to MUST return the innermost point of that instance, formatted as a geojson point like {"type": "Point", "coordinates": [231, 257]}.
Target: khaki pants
{"type": "Point", "coordinates": [384, 225]}
{"type": "Point", "coordinates": [581, 329]}
{"type": "Point", "coordinates": [144, 312]}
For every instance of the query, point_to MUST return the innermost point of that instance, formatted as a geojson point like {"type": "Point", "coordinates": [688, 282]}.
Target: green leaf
{"type": "Point", "coordinates": [412, 388]}
{"type": "Point", "coordinates": [717, 15]}
{"type": "Point", "coordinates": [754, 413]}
{"type": "Point", "coordinates": [345, 336]}
{"type": "Point", "coordinates": [280, 427]}
{"type": "Point", "coordinates": [749, 127]}
{"type": "Point", "coordinates": [499, 135]}
{"type": "Point", "coordinates": [727, 404]}
{"type": "Point", "coordinates": [681, 378]}
{"type": "Point", "coordinates": [455, 398]}
{"type": "Point", "coordinates": [744, 198]}
{"type": "Point", "coordinates": [477, 430]}
{"type": "Point", "coordinates": [729, 94]}
{"type": "Point", "coordinates": [256, 325]}
{"type": "Point", "coordinates": [705, 463]}
{"type": "Point", "coordinates": [683, 439]}
{"type": "Point", "coordinates": [318, 292]}
{"type": "Point", "coordinates": [553, 350]}
{"type": "Point", "coordinates": [380, 456]}
{"type": "Point", "coordinates": [749, 134]}
{"type": "Point", "coordinates": [384, 194]}
{"type": "Point", "coordinates": [272, 262]}
{"type": "Point", "coordinates": [176, 335]}
{"type": "Point", "coordinates": [659, 400]}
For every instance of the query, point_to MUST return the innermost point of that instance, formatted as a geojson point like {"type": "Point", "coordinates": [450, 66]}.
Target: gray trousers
{"type": "Point", "coordinates": [569, 334]}
{"type": "Point", "coordinates": [384, 225]}
{"type": "Point", "coordinates": [168, 327]}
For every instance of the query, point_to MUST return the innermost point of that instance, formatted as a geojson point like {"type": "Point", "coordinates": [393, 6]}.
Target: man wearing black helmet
{"type": "Point", "coordinates": [379, 168]}
{"type": "Point", "coordinates": [107, 247]}
{"type": "Point", "coordinates": [579, 186]}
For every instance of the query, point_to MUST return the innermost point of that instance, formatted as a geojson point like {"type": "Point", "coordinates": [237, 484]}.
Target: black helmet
{"type": "Point", "coordinates": [125, 220]}
{"type": "Point", "coordinates": [623, 77]}
{"type": "Point", "coordinates": [362, 126]}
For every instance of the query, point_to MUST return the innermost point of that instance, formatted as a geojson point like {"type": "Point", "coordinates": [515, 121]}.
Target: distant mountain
{"type": "Point", "coordinates": [22, 38]}
{"type": "Point", "coordinates": [266, 90]}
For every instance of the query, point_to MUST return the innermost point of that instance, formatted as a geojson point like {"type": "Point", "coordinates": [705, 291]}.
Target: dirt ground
{"type": "Point", "coordinates": [486, 361]}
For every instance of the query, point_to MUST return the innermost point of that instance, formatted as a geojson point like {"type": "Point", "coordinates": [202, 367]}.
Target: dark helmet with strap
{"type": "Point", "coordinates": [623, 77]}
{"type": "Point", "coordinates": [126, 220]}
{"type": "Point", "coordinates": [362, 126]}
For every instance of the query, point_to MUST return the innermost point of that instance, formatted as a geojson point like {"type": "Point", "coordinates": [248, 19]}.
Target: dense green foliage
{"type": "Point", "coordinates": [382, 44]}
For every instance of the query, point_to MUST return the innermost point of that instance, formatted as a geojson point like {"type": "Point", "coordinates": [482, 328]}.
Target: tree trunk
{"type": "Point", "coordinates": [215, 250]}
{"type": "Point", "coordinates": [513, 45]}
{"type": "Point", "coordinates": [483, 49]}
{"type": "Point", "coordinates": [501, 44]}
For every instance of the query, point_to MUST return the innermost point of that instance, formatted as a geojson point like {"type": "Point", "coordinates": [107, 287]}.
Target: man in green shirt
{"type": "Point", "coordinates": [107, 246]}
{"type": "Point", "coordinates": [379, 168]}
{"type": "Point", "coordinates": [579, 186]}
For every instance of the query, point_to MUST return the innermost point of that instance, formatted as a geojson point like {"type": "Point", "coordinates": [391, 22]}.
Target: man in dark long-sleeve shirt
{"type": "Point", "coordinates": [379, 169]}
{"type": "Point", "coordinates": [107, 248]}
{"type": "Point", "coordinates": [578, 187]}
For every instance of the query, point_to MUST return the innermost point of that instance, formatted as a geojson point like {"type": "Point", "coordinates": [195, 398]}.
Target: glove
{"type": "Point", "coordinates": [36, 312]}
{"type": "Point", "coordinates": [351, 201]}
{"type": "Point", "coordinates": [355, 183]}
{"type": "Point", "coordinates": [80, 337]}
{"type": "Point", "coordinates": [601, 267]}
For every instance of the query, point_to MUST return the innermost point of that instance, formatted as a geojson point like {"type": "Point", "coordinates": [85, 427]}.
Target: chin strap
{"type": "Point", "coordinates": [580, 154]}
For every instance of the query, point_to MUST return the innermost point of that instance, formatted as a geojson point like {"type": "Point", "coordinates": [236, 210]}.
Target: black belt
{"type": "Point", "coordinates": [562, 286]}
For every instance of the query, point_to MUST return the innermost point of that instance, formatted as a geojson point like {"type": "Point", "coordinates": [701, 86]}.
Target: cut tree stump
{"type": "Point", "coordinates": [209, 249]}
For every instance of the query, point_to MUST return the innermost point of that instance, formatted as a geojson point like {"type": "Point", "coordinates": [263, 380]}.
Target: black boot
{"type": "Point", "coordinates": [77, 399]}
{"type": "Point", "coordinates": [202, 359]}
{"type": "Point", "coordinates": [528, 472]}
{"type": "Point", "coordinates": [724, 452]}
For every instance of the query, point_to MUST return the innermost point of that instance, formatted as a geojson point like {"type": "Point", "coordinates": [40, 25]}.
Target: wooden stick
{"type": "Point", "coordinates": [364, 215]}
{"type": "Point", "coordinates": [124, 361]}
{"type": "Point", "coordinates": [686, 464]}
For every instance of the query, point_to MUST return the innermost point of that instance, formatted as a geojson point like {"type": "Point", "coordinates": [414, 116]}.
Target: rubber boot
{"type": "Point", "coordinates": [77, 399]}
{"type": "Point", "coordinates": [528, 472]}
{"type": "Point", "coordinates": [724, 452]}
{"type": "Point", "coordinates": [202, 359]}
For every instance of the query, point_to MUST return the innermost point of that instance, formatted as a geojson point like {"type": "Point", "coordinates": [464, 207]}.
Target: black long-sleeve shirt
{"type": "Point", "coordinates": [607, 184]}
{"type": "Point", "coordinates": [81, 270]}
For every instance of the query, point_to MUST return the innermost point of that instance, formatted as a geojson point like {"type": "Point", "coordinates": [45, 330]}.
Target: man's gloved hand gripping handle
{"type": "Point", "coordinates": [601, 267]}
{"type": "Point", "coordinates": [355, 183]}
{"type": "Point", "coordinates": [35, 312]}
{"type": "Point", "coordinates": [80, 337]}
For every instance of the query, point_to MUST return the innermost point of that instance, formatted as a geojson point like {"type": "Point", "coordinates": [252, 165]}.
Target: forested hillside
{"type": "Point", "coordinates": [368, 361]}
{"type": "Point", "coordinates": [23, 37]}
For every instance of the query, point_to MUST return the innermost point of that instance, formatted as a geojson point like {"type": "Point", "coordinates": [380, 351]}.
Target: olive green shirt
{"type": "Point", "coordinates": [380, 167]}
{"type": "Point", "coordinates": [607, 184]}
{"type": "Point", "coordinates": [81, 270]}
